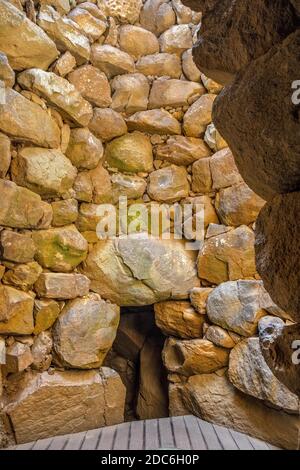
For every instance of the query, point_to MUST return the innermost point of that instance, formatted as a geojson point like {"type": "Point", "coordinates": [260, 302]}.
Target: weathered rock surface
{"type": "Point", "coordinates": [84, 150]}
{"type": "Point", "coordinates": [45, 313]}
{"type": "Point", "coordinates": [205, 393]}
{"type": "Point", "coordinates": [157, 16]}
{"type": "Point", "coordinates": [154, 121]}
{"type": "Point", "coordinates": [137, 41]}
{"type": "Point", "coordinates": [229, 256]}
{"type": "Point", "coordinates": [176, 40]}
{"type": "Point", "coordinates": [198, 116]}
{"type": "Point", "coordinates": [267, 161]}
{"type": "Point", "coordinates": [198, 297]}
{"type": "Point", "coordinates": [174, 93]}
{"type": "Point", "coordinates": [46, 172]}
{"type": "Point", "coordinates": [107, 124]}
{"type": "Point", "coordinates": [238, 306]}
{"type": "Point", "coordinates": [195, 356]}
{"type": "Point", "coordinates": [5, 149]}
{"type": "Point", "coordinates": [21, 208]}
{"type": "Point", "coordinates": [18, 357]}
{"type": "Point", "coordinates": [62, 286]}
{"type": "Point", "coordinates": [168, 184]}
{"type": "Point", "coordinates": [277, 251]}
{"type": "Point", "coordinates": [201, 176]}
{"type": "Point", "coordinates": [130, 93]}
{"type": "Point", "coordinates": [92, 84]}
{"type": "Point", "coordinates": [224, 172]}
{"type": "Point", "coordinates": [16, 311]}
{"type": "Point", "coordinates": [65, 212]}
{"type": "Point", "coordinates": [51, 404]}
{"type": "Point", "coordinates": [160, 65]}
{"type": "Point", "coordinates": [25, 44]}
{"type": "Point", "coordinates": [17, 247]}
{"type": "Point", "coordinates": [126, 11]}
{"type": "Point", "coordinates": [58, 92]}
{"type": "Point", "coordinates": [21, 120]}
{"type": "Point", "coordinates": [189, 68]}
{"type": "Point", "coordinates": [41, 351]}
{"type": "Point", "coordinates": [91, 26]}
{"type": "Point", "coordinates": [249, 372]}
{"type": "Point", "coordinates": [175, 318]}
{"type": "Point", "coordinates": [60, 249]}
{"type": "Point", "coordinates": [126, 185]}
{"type": "Point", "coordinates": [140, 270]}
{"type": "Point", "coordinates": [7, 75]}
{"type": "Point", "coordinates": [182, 150]}
{"type": "Point", "coordinates": [22, 276]}
{"type": "Point", "coordinates": [111, 60]}
{"type": "Point", "coordinates": [85, 331]}
{"type": "Point", "coordinates": [131, 152]}
{"type": "Point", "coordinates": [220, 337]}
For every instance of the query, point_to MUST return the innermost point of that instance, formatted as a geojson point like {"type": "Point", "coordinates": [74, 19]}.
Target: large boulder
{"type": "Point", "coordinates": [277, 249]}
{"type": "Point", "coordinates": [249, 372]}
{"type": "Point", "coordinates": [85, 331]}
{"type": "Point", "coordinates": [269, 160]}
{"type": "Point", "coordinates": [139, 270]}
{"type": "Point", "coordinates": [25, 44]}
{"type": "Point", "coordinates": [213, 398]}
{"type": "Point", "coordinates": [21, 208]}
{"type": "Point", "coordinates": [66, 402]}
{"type": "Point", "coordinates": [21, 120]}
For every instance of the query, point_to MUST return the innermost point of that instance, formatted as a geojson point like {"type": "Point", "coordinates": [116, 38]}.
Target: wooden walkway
{"type": "Point", "coordinates": [182, 432]}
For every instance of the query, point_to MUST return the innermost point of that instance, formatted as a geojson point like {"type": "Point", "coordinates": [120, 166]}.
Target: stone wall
{"type": "Point", "coordinates": [101, 100]}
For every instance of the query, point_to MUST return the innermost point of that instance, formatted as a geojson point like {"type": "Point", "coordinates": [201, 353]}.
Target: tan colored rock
{"type": "Point", "coordinates": [101, 185]}
{"type": "Point", "coordinates": [160, 65]}
{"type": "Point", "coordinates": [58, 92]}
{"type": "Point", "coordinates": [168, 184]}
{"type": "Point", "coordinates": [111, 60]}
{"type": "Point", "coordinates": [214, 139]}
{"type": "Point", "coordinates": [65, 33]}
{"type": "Point", "coordinates": [182, 150]}
{"type": "Point", "coordinates": [45, 313]}
{"type": "Point", "coordinates": [22, 276]}
{"type": "Point", "coordinates": [131, 152]}
{"type": "Point", "coordinates": [92, 27]}
{"type": "Point", "coordinates": [277, 251]}
{"type": "Point", "coordinates": [96, 396]}
{"type": "Point", "coordinates": [65, 212]}
{"type": "Point", "coordinates": [224, 170]}
{"type": "Point", "coordinates": [174, 93]}
{"type": "Point", "coordinates": [126, 11]}
{"type": "Point", "coordinates": [2, 354]}
{"type": "Point", "coordinates": [176, 40]}
{"type": "Point", "coordinates": [7, 75]}
{"type": "Point", "coordinates": [130, 93]}
{"type": "Point", "coordinates": [18, 357]}
{"type": "Point", "coordinates": [85, 331]}
{"type": "Point", "coordinates": [96, 8]}
{"type": "Point", "coordinates": [184, 14]}
{"type": "Point", "coordinates": [62, 286]}
{"type": "Point", "coordinates": [5, 153]}
{"type": "Point", "coordinates": [195, 356]}
{"type": "Point", "coordinates": [22, 208]}
{"type": "Point", "coordinates": [180, 319]}
{"type": "Point", "coordinates": [249, 372]}
{"type": "Point", "coordinates": [152, 400]}
{"type": "Point", "coordinates": [201, 176]}
{"type": "Point", "coordinates": [125, 185]}
{"type": "Point", "coordinates": [84, 150]}
{"type": "Point", "coordinates": [107, 124]}
{"type": "Point", "coordinates": [92, 85]}
{"type": "Point", "coordinates": [16, 309]}
{"type": "Point", "coordinates": [64, 64]}
{"type": "Point", "coordinates": [46, 172]}
{"type": "Point", "coordinates": [189, 67]}
{"type": "Point", "coordinates": [155, 121]}
{"type": "Point", "coordinates": [228, 256]}
{"type": "Point", "coordinates": [141, 271]}
{"type": "Point", "coordinates": [215, 229]}
{"type": "Point", "coordinates": [211, 85]}
{"type": "Point", "coordinates": [204, 394]}
{"type": "Point", "coordinates": [137, 41]}
{"type": "Point", "coordinates": [60, 249]}
{"type": "Point", "coordinates": [88, 218]}
{"type": "Point", "coordinates": [220, 337]}
{"type": "Point", "coordinates": [198, 116]}
{"type": "Point", "coordinates": [238, 205]}
{"type": "Point", "coordinates": [198, 297]}
{"type": "Point", "coordinates": [25, 44]}
{"type": "Point", "coordinates": [157, 16]}
{"type": "Point", "coordinates": [62, 6]}
{"type": "Point", "coordinates": [21, 120]}
{"type": "Point", "coordinates": [41, 351]}
{"type": "Point", "coordinates": [17, 247]}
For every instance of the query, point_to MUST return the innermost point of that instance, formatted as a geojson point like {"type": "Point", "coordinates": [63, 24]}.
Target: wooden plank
{"type": "Point", "coordinates": [225, 438]}
{"type": "Point", "coordinates": [75, 441]}
{"type": "Point", "coordinates": [258, 444]}
{"type": "Point", "coordinates": [122, 437]}
{"type": "Point", "coordinates": [166, 434]}
{"type": "Point", "coordinates": [58, 443]}
{"type": "Point", "coordinates": [151, 434]}
{"type": "Point", "coordinates": [91, 439]}
{"type": "Point", "coordinates": [209, 434]}
{"type": "Point", "coordinates": [42, 444]}
{"type": "Point", "coordinates": [25, 446]}
{"type": "Point", "coordinates": [241, 440]}
{"type": "Point", "coordinates": [136, 441]}
{"type": "Point", "coordinates": [194, 432]}
{"type": "Point", "coordinates": [180, 433]}
{"type": "Point", "coordinates": [107, 438]}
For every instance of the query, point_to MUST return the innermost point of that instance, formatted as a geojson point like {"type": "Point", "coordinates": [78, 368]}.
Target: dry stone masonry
{"type": "Point", "coordinates": [101, 99]}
